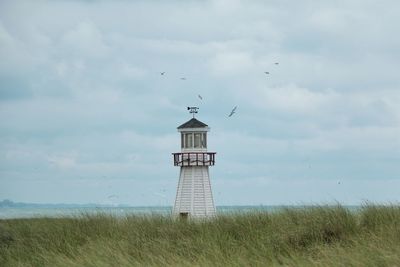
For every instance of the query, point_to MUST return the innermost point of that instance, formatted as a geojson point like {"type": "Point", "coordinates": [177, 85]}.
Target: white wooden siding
{"type": "Point", "coordinates": [194, 194]}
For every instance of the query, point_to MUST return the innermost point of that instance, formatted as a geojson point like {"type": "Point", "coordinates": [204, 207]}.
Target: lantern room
{"type": "Point", "coordinates": [193, 135]}
{"type": "Point", "coordinates": [194, 145]}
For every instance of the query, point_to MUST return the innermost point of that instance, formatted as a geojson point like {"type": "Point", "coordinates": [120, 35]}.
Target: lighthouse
{"type": "Point", "coordinates": [194, 196]}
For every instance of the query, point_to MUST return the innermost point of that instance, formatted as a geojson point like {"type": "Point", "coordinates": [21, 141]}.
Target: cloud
{"type": "Point", "coordinates": [6, 39]}
{"type": "Point", "coordinates": [85, 40]}
{"type": "Point", "coordinates": [230, 63]}
{"type": "Point", "coordinates": [294, 99]}
{"type": "Point", "coordinates": [63, 162]}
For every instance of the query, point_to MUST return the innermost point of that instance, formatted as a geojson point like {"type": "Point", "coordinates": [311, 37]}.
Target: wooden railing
{"type": "Point", "coordinates": [194, 159]}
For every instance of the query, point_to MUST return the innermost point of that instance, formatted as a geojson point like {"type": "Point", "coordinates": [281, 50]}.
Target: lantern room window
{"type": "Point", "coordinates": [197, 140]}
{"type": "Point", "coordinates": [189, 140]}
{"type": "Point", "coordinates": [182, 141]}
{"type": "Point", "coordinates": [204, 141]}
{"type": "Point", "coordinates": [194, 140]}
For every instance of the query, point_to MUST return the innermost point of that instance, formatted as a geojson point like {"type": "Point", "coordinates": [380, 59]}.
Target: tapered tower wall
{"type": "Point", "coordinates": [194, 195]}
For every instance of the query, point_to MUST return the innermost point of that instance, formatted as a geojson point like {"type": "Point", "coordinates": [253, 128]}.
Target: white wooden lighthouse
{"type": "Point", "coordinates": [194, 197]}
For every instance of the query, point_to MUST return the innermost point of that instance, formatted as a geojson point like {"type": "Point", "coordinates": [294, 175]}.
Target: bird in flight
{"type": "Point", "coordinates": [162, 73]}
{"type": "Point", "coordinates": [201, 98]}
{"type": "Point", "coordinates": [276, 63]}
{"type": "Point", "coordinates": [232, 111]}
{"type": "Point", "coordinates": [266, 72]}
{"type": "Point", "coordinates": [183, 78]}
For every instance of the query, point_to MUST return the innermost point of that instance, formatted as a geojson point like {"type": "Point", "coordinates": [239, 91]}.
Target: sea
{"type": "Point", "coordinates": [54, 212]}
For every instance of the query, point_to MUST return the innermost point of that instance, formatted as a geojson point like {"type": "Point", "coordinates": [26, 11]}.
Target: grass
{"type": "Point", "coordinates": [310, 236]}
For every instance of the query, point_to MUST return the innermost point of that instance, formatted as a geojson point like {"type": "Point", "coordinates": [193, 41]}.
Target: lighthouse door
{"type": "Point", "coordinates": [184, 215]}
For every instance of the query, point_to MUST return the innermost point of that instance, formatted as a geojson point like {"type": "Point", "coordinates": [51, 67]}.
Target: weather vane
{"type": "Point", "coordinates": [193, 110]}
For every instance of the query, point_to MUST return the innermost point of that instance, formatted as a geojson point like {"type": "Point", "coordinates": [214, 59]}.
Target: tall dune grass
{"type": "Point", "coordinates": [310, 236]}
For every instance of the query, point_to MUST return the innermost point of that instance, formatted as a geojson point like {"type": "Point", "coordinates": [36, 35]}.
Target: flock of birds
{"type": "Point", "coordinates": [233, 111]}
{"type": "Point", "coordinates": [113, 198]}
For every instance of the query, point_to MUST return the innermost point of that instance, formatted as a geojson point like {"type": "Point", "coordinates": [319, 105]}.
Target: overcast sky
{"type": "Point", "coordinates": [85, 113]}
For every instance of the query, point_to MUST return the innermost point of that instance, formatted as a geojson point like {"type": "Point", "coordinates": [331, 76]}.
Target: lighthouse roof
{"type": "Point", "coordinates": [193, 123]}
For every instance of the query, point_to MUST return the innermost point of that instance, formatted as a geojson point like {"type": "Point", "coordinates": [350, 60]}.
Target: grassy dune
{"type": "Point", "coordinates": [317, 236]}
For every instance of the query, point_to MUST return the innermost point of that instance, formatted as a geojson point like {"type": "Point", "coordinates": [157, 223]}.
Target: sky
{"type": "Point", "coordinates": [86, 116]}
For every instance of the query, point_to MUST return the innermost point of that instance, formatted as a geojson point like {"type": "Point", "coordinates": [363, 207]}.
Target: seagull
{"type": "Point", "coordinates": [200, 97]}
{"type": "Point", "coordinates": [266, 72]}
{"type": "Point", "coordinates": [233, 111]}
{"type": "Point", "coordinates": [162, 73]}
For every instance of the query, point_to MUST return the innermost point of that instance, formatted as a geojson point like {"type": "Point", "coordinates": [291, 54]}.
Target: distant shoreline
{"type": "Point", "coordinates": [11, 204]}
{"type": "Point", "coordinates": [61, 211]}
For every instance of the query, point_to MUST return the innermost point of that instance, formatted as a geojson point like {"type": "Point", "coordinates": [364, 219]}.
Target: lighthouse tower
{"type": "Point", "coordinates": [194, 197]}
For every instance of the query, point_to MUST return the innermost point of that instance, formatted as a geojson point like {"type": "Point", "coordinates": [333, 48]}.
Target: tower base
{"type": "Point", "coordinates": [194, 197]}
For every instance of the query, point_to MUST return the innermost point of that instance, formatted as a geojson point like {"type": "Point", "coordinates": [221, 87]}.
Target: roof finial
{"type": "Point", "coordinates": [192, 110]}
